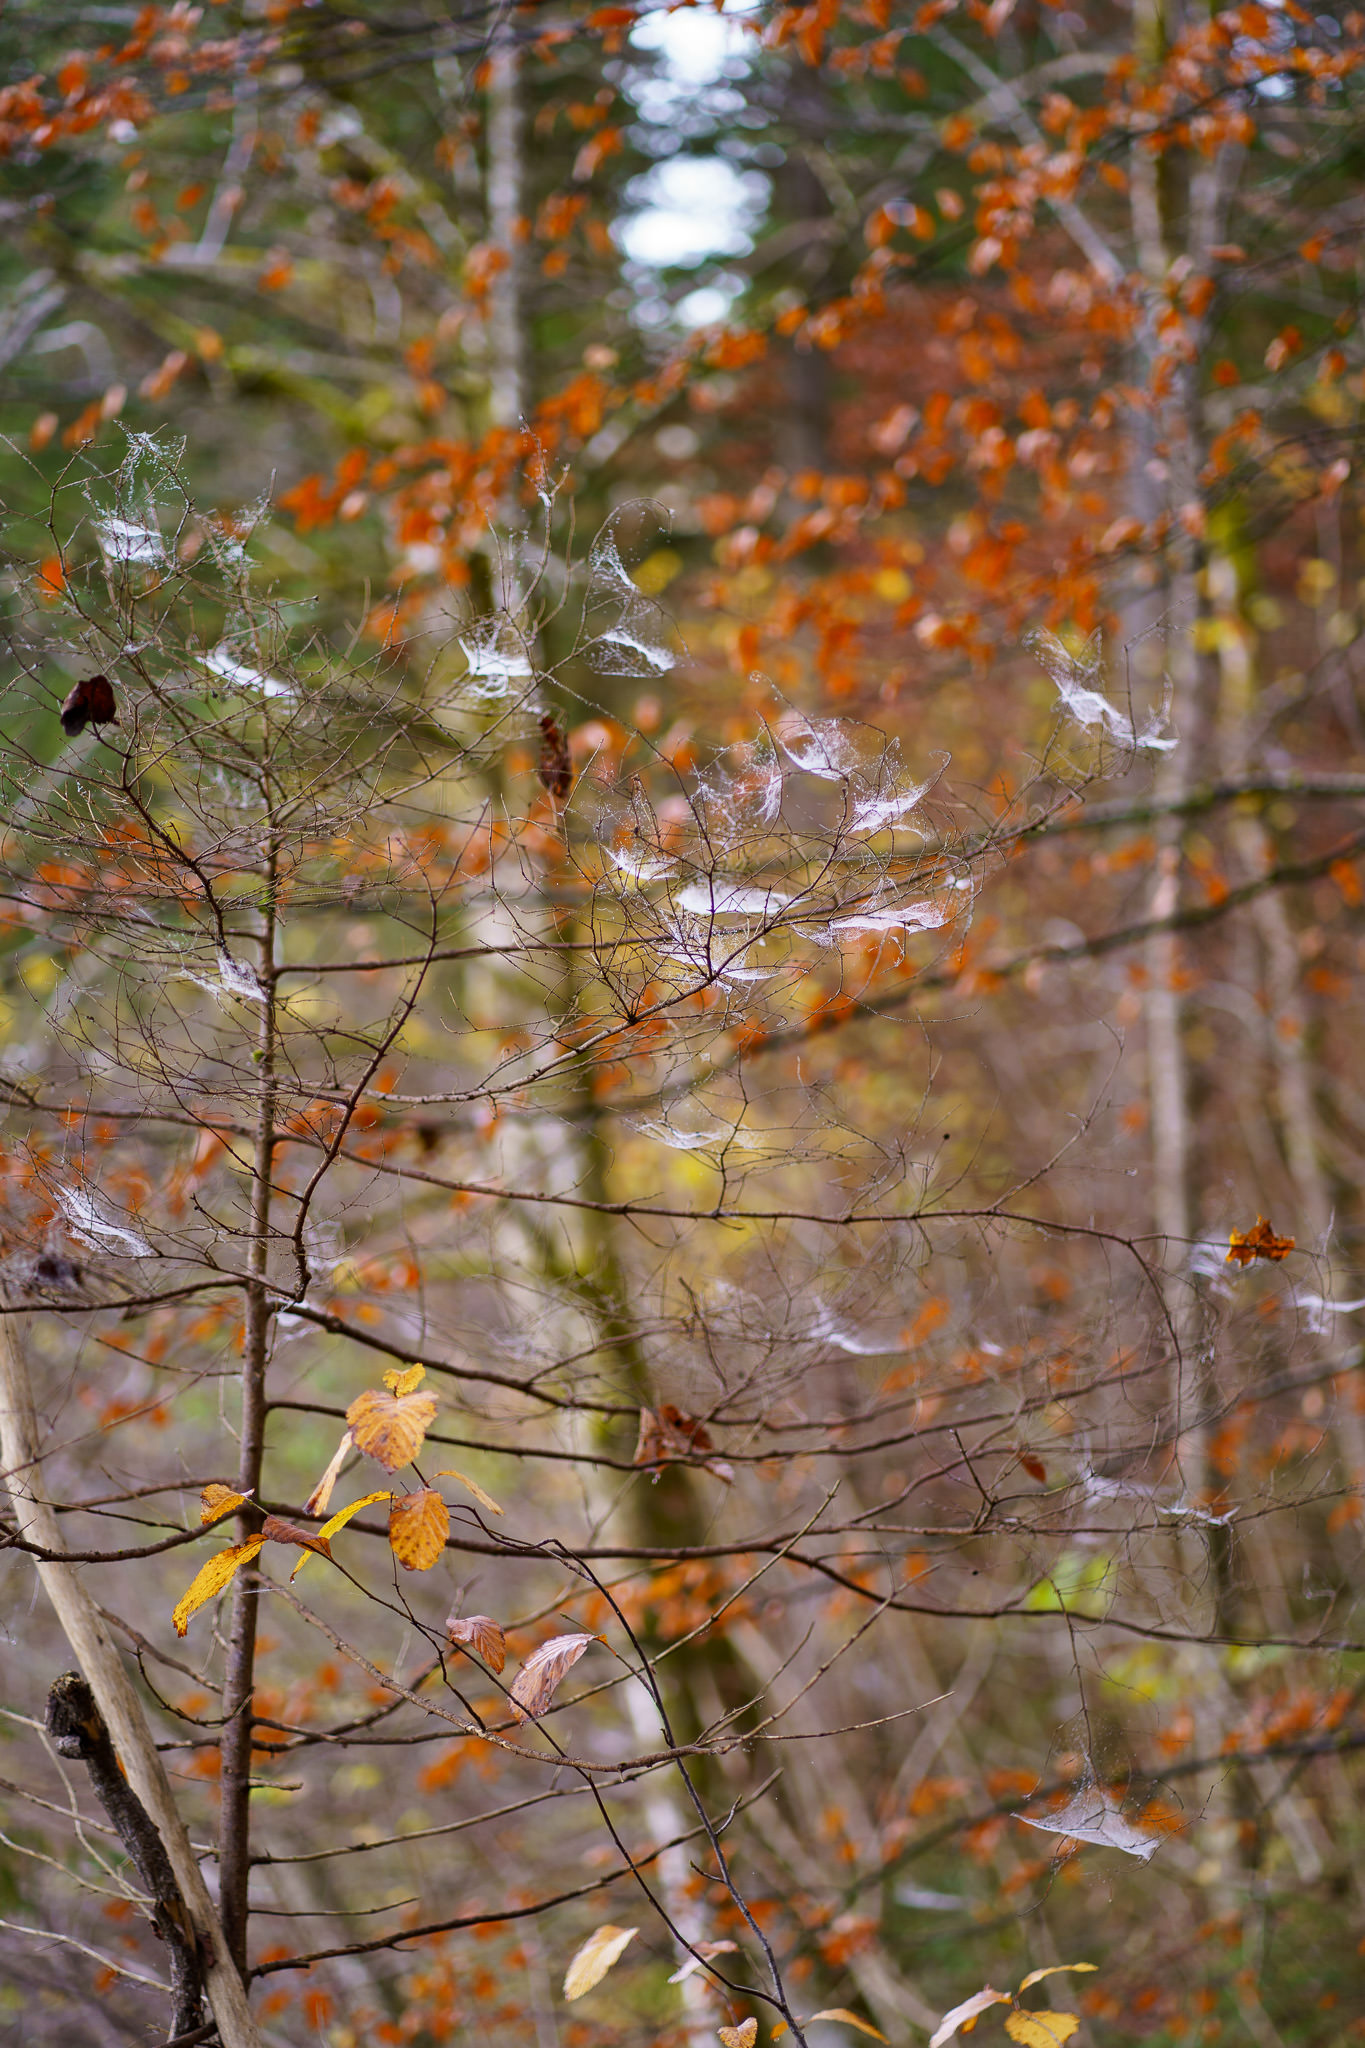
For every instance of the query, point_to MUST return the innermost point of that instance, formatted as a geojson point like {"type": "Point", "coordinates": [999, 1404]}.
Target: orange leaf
{"type": "Point", "coordinates": [418, 1526]}
{"type": "Point", "coordinates": [1257, 1243]}
{"type": "Point", "coordinates": [389, 1427]}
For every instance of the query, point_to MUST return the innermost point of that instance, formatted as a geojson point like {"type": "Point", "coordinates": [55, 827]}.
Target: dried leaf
{"type": "Point", "coordinates": [482, 1633]}
{"type": "Point", "coordinates": [212, 1578]}
{"type": "Point", "coordinates": [217, 1500]}
{"type": "Point", "coordinates": [401, 1383]}
{"type": "Point", "coordinates": [276, 1529]}
{"type": "Point", "coordinates": [849, 2019]}
{"type": "Point", "coordinates": [91, 702]}
{"type": "Point", "coordinates": [389, 1427]}
{"type": "Point", "coordinates": [555, 767]}
{"type": "Point", "coordinates": [1041, 2029]}
{"type": "Point", "coordinates": [671, 1437]}
{"type": "Point", "coordinates": [705, 1951]}
{"type": "Point", "coordinates": [485, 1500]}
{"type": "Point", "coordinates": [742, 2036]}
{"type": "Point", "coordinates": [535, 1683]}
{"type": "Point", "coordinates": [418, 1526]}
{"type": "Point", "coordinates": [968, 2010]}
{"type": "Point", "coordinates": [1258, 1243]}
{"type": "Point", "coordinates": [317, 1501]}
{"type": "Point", "coordinates": [1052, 1970]}
{"type": "Point", "coordinates": [603, 1947]}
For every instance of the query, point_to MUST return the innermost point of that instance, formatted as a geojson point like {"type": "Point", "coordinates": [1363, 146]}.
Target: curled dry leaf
{"type": "Point", "coordinates": [276, 1529]}
{"type": "Point", "coordinates": [318, 1499]}
{"type": "Point", "coordinates": [1260, 1242]}
{"type": "Point", "coordinates": [91, 702]}
{"type": "Point", "coordinates": [835, 2012]}
{"type": "Point", "coordinates": [742, 2036]}
{"type": "Point", "coordinates": [485, 1500]}
{"type": "Point", "coordinates": [968, 2010]}
{"type": "Point", "coordinates": [212, 1578]}
{"type": "Point", "coordinates": [479, 1632]}
{"type": "Point", "coordinates": [418, 1526]}
{"type": "Point", "coordinates": [668, 1437]}
{"type": "Point", "coordinates": [217, 1500]}
{"type": "Point", "coordinates": [1041, 2029]}
{"type": "Point", "coordinates": [338, 1521]}
{"type": "Point", "coordinates": [555, 767]}
{"type": "Point", "coordinates": [535, 1683]}
{"type": "Point", "coordinates": [603, 1947]}
{"type": "Point", "coordinates": [705, 1951]}
{"type": "Point", "coordinates": [389, 1427]}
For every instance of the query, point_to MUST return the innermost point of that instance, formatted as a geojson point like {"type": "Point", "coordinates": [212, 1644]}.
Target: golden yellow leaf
{"type": "Point", "coordinates": [482, 1633]}
{"type": "Point", "coordinates": [603, 1947]}
{"type": "Point", "coordinates": [849, 2019]}
{"type": "Point", "coordinates": [485, 1500]}
{"type": "Point", "coordinates": [418, 1526]}
{"type": "Point", "coordinates": [401, 1383]}
{"type": "Point", "coordinates": [211, 1579]}
{"type": "Point", "coordinates": [216, 1501]}
{"type": "Point", "coordinates": [317, 1501]}
{"type": "Point", "coordinates": [1040, 2029]}
{"type": "Point", "coordinates": [1052, 1970]}
{"type": "Point", "coordinates": [389, 1427]}
{"type": "Point", "coordinates": [534, 1685]}
{"type": "Point", "coordinates": [742, 2036]}
{"type": "Point", "coordinates": [339, 1521]}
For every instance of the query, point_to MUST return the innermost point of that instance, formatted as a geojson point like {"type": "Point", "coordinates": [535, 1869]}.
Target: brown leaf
{"type": "Point", "coordinates": [479, 1632]}
{"type": "Point", "coordinates": [671, 1437]}
{"type": "Point", "coordinates": [1260, 1242]}
{"type": "Point", "coordinates": [418, 1526]}
{"type": "Point", "coordinates": [91, 702]}
{"type": "Point", "coordinates": [275, 1529]}
{"type": "Point", "coordinates": [316, 1503]}
{"type": "Point", "coordinates": [535, 1683]}
{"type": "Point", "coordinates": [555, 767]}
{"type": "Point", "coordinates": [603, 1947]}
{"type": "Point", "coordinates": [217, 1500]}
{"type": "Point", "coordinates": [389, 1427]}
{"type": "Point", "coordinates": [211, 1578]}
{"type": "Point", "coordinates": [742, 2036]}
{"type": "Point", "coordinates": [1035, 1467]}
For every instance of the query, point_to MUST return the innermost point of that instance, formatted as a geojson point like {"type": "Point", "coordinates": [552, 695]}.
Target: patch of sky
{"type": "Point", "coordinates": [695, 206]}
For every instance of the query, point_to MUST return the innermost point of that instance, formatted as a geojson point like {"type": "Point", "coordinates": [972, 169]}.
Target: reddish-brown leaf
{"type": "Point", "coordinates": [91, 702]}
{"type": "Point", "coordinates": [1260, 1242]}
{"type": "Point", "coordinates": [481, 1633]}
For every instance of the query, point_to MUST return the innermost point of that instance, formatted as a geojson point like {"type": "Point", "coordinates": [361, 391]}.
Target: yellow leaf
{"type": "Point", "coordinates": [485, 1500]}
{"type": "Point", "coordinates": [742, 2036]}
{"type": "Point", "coordinates": [418, 1526]}
{"type": "Point", "coordinates": [970, 2009]}
{"type": "Point", "coordinates": [339, 1521]}
{"type": "Point", "coordinates": [216, 1501]}
{"type": "Point", "coordinates": [1040, 2029]}
{"type": "Point", "coordinates": [212, 1578]}
{"type": "Point", "coordinates": [401, 1383]}
{"type": "Point", "coordinates": [1052, 1970]}
{"type": "Point", "coordinates": [850, 2019]}
{"type": "Point", "coordinates": [390, 1427]}
{"type": "Point", "coordinates": [603, 1947]}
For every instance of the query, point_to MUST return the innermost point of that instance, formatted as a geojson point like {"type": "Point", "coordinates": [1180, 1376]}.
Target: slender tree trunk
{"type": "Point", "coordinates": [94, 1650]}
{"type": "Point", "coordinates": [234, 1838]}
{"type": "Point", "coordinates": [506, 369]}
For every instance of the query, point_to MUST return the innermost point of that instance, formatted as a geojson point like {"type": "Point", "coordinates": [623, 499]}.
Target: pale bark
{"type": "Point", "coordinates": [99, 1661]}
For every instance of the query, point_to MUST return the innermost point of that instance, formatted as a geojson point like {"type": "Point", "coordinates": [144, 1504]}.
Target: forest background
{"type": "Point", "coordinates": [681, 761]}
